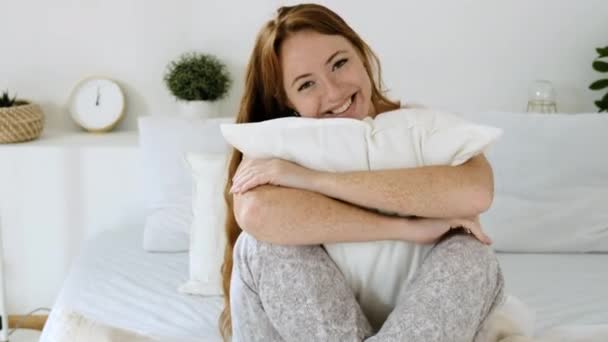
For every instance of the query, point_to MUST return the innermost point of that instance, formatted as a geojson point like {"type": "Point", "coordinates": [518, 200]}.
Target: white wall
{"type": "Point", "coordinates": [460, 55]}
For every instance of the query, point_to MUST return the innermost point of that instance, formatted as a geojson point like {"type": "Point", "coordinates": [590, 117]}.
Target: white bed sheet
{"type": "Point", "coordinates": [562, 289]}
{"type": "Point", "coordinates": [114, 281]}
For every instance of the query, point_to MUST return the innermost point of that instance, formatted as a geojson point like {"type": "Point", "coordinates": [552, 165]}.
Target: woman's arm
{"type": "Point", "coordinates": [300, 217]}
{"type": "Point", "coordinates": [293, 216]}
{"type": "Point", "coordinates": [429, 191]}
{"type": "Point", "coordinates": [432, 191]}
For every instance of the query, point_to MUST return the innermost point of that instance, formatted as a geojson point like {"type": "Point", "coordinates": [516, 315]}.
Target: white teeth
{"type": "Point", "coordinates": [344, 107]}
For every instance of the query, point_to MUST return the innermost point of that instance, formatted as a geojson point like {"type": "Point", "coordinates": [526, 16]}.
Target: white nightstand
{"type": "Point", "coordinates": [3, 316]}
{"type": "Point", "coordinates": [19, 335]}
{"type": "Point", "coordinates": [53, 195]}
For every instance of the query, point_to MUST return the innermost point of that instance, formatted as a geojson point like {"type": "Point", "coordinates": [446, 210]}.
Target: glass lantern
{"type": "Point", "coordinates": [541, 97]}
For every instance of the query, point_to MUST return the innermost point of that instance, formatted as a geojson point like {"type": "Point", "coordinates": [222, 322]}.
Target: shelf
{"type": "Point", "coordinates": [58, 138]}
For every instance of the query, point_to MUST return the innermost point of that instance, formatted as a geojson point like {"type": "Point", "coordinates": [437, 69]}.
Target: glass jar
{"type": "Point", "coordinates": [541, 97]}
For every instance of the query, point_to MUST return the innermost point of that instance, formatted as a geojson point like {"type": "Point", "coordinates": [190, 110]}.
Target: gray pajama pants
{"type": "Point", "coordinates": [297, 293]}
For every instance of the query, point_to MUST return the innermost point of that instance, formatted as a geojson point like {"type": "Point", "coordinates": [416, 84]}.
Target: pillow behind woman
{"type": "Point", "coordinates": [402, 138]}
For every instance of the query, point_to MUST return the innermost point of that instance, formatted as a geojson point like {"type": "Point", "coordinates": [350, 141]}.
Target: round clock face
{"type": "Point", "coordinates": [97, 104]}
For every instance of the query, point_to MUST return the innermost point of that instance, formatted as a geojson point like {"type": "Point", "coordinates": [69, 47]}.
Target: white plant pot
{"type": "Point", "coordinates": [197, 109]}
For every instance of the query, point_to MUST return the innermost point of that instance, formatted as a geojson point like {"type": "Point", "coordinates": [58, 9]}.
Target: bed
{"type": "Point", "coordinates": [114, 281]}
{"type": "Point", "coordinates": [561, 288]}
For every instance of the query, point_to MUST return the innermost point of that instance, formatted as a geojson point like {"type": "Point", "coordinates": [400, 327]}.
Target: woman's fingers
{"type": "Point", "coordinates": [250, 174]}
{"type": "Point", "coordinates": [474, 228]}
{"type": "Point", "coordinates": [240, 172]}
{"type": "Point", "coordinates": [238, 185]}
{"type": "Point", "coordinates": [479, 233]}
{"type": "Point", "coordinates": [242, 176]}
{"type": "Point", "coordinates": [247, 182]}
{"type": "Point", "coordinates": [239, 176]}
{"type": "Point", "coordinates": [486, 237]}
{"type": "Point", "coordinates": [481, 236]}
{"type": "Point", "coordinates": [248, 171]}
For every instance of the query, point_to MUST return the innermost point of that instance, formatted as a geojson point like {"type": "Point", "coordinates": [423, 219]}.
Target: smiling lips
{"type": "Point", "coordinates": [344, 107]}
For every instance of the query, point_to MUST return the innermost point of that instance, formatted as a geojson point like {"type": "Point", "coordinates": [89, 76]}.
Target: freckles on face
{"type": "Point", "coordinates": [324, 76]}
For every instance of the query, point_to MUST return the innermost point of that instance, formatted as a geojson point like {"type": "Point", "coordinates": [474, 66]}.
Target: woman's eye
{"type": "Point", "coordinates": [305, 85]}
{"type": "Point", "coordinates": [340, 63]}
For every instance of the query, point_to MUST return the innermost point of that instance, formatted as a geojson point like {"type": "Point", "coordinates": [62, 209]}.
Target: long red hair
{"type": "Point", "coordinates": [264, 99]}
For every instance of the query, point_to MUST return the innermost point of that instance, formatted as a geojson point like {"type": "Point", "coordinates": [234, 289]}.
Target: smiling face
{"type": "Point", "coordinates": [324, 77]}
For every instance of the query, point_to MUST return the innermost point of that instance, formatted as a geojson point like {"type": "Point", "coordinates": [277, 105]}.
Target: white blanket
{"type": "Point", "coordinates": [511, 323]}
{"type": "Point", "coordinates": [514, 321]}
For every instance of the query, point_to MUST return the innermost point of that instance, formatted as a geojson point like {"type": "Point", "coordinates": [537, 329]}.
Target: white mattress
{"type": "Point", "coordinates": [114, 281]}
{"type": "Point", "coordinates": [562, 289]}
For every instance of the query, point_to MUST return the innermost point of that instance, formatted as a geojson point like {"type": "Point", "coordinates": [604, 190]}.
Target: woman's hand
{"type": "Point", "coordinates": [255, 172]}
{"type": "Point", "coordinates": [429, 230]}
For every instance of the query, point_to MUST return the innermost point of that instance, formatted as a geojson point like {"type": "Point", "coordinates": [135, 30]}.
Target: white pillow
{"type": "Point", "coordinates": [163, 141]}
{"type": "Point", "coordinates": [398, 139]}
{"type": "Point", "coordinates": [207, 238]}
{"type": "Point", "coordinates": [551, 176]}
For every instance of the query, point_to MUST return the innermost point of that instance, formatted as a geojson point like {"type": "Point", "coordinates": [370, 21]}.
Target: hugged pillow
{"type": "Point", "coordinates": [207, 238]}
{"type": "Point", "coordinates": [398, 139]}
{"type": "Point", "coordinates": [551, 182]}
{"type": "Point", "coordinates": [163, 141]}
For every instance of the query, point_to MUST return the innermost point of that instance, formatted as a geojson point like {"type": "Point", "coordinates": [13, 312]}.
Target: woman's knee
{"type": "Point", "coordinates": [247, 246]}
{"type": "Point", "coordinates": [471, 258]}
{"type": "Point", "coordinates": [254, 256]}
{"type": "Point", "coordinates": [261, 265]}
{"type": "Point", "coordinates": [467, 249]}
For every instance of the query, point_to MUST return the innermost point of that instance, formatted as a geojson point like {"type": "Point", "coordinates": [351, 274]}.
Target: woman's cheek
{"type": "Point", "coordinates": [310, 109]}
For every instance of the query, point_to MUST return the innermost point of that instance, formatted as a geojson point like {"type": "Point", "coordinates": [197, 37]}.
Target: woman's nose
{"type": "Point", "coordinates": [333, 90]}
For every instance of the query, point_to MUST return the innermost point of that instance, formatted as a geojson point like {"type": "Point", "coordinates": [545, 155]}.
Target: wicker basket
{"type": "Point", "coordinates": [20, 123]}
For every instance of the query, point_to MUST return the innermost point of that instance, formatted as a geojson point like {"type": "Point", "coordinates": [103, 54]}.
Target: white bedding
{"type": "Point", "coordinates": [563, 289]}
{"type": "Point", "coordinates": [114, 281]}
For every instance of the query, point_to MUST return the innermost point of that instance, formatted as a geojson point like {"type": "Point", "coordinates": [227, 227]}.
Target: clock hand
{"type": "Point", "coordinates": [97, 100]}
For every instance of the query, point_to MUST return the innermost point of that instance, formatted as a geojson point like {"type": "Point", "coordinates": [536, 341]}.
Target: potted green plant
{"type": "Point", "coordinates": [197, 80]}
{"type": "Point", "coordinates": [20, 120]}
{"type": "Point", "coordinates": [600, 63]}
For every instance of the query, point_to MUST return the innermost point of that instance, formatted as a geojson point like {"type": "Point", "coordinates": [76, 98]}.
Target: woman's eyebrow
{"type": "Point", "coordinates": [334, 55]}
{"type": "Point", "coordinates": [328, 61]}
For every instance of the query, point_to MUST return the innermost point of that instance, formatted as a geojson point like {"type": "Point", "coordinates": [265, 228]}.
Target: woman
{"type": "Point", "coordinates": [282, 285]}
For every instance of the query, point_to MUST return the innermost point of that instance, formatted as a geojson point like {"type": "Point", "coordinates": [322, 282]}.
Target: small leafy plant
{"type": "Point", "coordinates": [6, 101]}
{"type": "Point", "coordinates": [601, 66]}
{"type": "Point", "coordinates": [196, 76]}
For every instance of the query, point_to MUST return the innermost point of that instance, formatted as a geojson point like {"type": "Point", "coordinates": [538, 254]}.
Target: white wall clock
{"type": "Point", "coordinates": [97, 104]}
